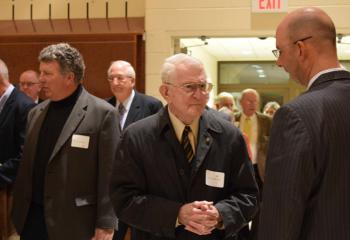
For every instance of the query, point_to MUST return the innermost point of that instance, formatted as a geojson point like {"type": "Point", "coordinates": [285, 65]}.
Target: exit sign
{"type": "Point", "coordinates": [267, 6]}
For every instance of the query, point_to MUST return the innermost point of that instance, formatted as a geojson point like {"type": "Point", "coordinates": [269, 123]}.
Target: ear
{"type": "Point", "coordinates": [164, 91]}
{"type": "Point", "coordinates": [303, 49]}
{"type": "Point", "coordinates": [133, 82]}
{"type": "Point", "coordinates": [70, 77]}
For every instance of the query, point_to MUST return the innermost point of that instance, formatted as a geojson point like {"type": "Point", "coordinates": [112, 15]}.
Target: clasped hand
{"type": "Point", "coordinates": [200, 217]}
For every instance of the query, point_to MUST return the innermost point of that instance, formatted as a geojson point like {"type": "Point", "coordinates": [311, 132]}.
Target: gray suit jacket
{"type": "Point", "coordinates": [306, 193]}
{"type": "Point", "coordinates": [76, 199]}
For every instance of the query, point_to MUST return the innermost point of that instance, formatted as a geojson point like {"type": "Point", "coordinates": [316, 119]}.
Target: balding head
{"type": "Point", "coordinates": [225, 99]}
{"type": "Point", "coordinates": [310, 21]}
{"type": "Point", "coordinates": [249, 101]}
{"type": "Point", "coordinates": [121, 77]}
{"type": "Point", "coordinates": [306, 40]}
{"type": "Point", "coordinates": [29, 84]}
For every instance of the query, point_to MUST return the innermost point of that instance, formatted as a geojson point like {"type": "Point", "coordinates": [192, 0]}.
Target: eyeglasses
{"type": "Point", "coordinates": [192, 87]}
{"type": "Point", "coordinates": [28, 84]}
{"type": "Point", "coordinates": [120, 78]}
{"type": "Point", "coordinates": [277, 52]}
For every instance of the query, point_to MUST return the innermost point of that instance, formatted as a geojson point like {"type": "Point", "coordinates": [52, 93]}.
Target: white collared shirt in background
{"type": "Point", "coordinates": [127, 104]}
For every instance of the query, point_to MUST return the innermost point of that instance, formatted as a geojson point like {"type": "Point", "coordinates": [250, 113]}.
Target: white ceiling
{"type": "Point", "coordinates": [249, 49]}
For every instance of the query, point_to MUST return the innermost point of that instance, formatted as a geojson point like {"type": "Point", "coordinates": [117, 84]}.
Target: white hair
{"type": "Point", "coordinates": [4, 72]}
{"type": "Point", "coordinates": [169, 67]}
{"type": "Point", "coordinates": [129, 68]}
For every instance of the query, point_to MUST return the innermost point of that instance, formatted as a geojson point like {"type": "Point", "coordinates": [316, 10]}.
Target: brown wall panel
{"type": "Point", "coordinates": [20, 52]}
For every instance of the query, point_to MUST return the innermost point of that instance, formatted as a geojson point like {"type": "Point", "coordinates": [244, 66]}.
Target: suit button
{"type": "Point", "coordinates": [182, 172]}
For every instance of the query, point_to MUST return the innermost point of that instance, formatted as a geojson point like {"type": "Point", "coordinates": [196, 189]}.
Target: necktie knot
{"type": "Point", "coordinates": [121, 109]}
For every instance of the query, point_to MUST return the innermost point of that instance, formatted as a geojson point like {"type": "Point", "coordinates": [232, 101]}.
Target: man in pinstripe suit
{"type": "Point", "coordinates": [306, 193]}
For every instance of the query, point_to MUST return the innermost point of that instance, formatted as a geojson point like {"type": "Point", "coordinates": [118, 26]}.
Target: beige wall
{"type": "Point", "coordinates": [167, 19]}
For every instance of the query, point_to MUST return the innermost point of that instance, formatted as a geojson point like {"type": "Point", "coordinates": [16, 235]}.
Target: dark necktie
{"type": "Point", "coordinates": [186, 144]}
{"type": "Point", "coordinates": [121, 110]}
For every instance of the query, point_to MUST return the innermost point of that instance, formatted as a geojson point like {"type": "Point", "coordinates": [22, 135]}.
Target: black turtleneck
{"type": "Point", "coordinates": [56, 116]}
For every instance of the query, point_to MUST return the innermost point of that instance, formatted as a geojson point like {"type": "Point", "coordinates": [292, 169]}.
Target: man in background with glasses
{"type": "Point", "coordinates": [306, 192]}
{"type": "Point", "coordinates": [132, 105]}
{"type": "Point", "coordinates": [30, 85]}
{"type": "Point", "coordinates": [184, 173]}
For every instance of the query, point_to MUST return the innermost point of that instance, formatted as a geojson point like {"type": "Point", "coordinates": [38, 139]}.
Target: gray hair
{"type": "Point", "coordinates": [129, 68]}
{"type": "Point", "coordinates": [168, 71]}
{"type": "Point", "coordinates": [68, 57]}
{"type": "Point", "coordinates": [272, 104]}
{"type": "Point", "coordinates": [250, 90]}
{"type": "Point", "coordinates": [224, 95]}
{"type": "Point", "coordinates": [4, 71]}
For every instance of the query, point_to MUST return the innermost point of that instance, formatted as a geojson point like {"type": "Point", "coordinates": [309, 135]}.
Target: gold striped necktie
{"type": "Point", "coordinates": [186, 144]}
{"type": "Point", "coordinates": [247, 129]}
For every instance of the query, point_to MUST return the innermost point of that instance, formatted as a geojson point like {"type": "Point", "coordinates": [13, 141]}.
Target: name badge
{"type": "Point", "coordinates": [214, 179]}
{"type": "Point", "coordinates": [80, 141]}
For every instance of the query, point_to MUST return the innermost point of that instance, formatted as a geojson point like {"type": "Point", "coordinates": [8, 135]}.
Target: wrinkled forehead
{"type": "Point", "coordinates": [28, 76]}
{"type": "Point", "coordinates": [190, 73]}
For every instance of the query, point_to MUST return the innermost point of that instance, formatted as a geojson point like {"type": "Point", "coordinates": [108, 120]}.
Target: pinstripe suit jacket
{"type": "Point", "coordinates": [306, 194]}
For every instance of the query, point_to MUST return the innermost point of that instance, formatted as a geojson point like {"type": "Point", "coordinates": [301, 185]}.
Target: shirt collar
{"type": "Point", "coordinates": [179, 126]}
{"type": "Point", "coordinates": [5, 96]}
{"type": "Point", "coordinates": [128, 101]}
{"type": "Point", "coordinates": [313, 79]}
{"type": "Point", "coordinates": [251, 117]}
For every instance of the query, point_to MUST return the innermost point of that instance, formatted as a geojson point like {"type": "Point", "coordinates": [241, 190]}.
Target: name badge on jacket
{"type": "Point", "coordinates": [80, 141]}
{"type": "Point", "coordinates": [214, 179]}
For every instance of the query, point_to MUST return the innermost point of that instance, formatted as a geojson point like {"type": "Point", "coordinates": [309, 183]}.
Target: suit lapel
{"type": "Point", "coordinates": [33, 130]}
{"type": "Point", "coordinates": [8, 105]}
{"type": "Point", "coordinates": [259, 126]}
{"type": "Point", "coordinates": [73, 121]}
{"type": "Point", "coordinates": [204, 143]}
{"type": "Point", "coordinates": [134, 110]}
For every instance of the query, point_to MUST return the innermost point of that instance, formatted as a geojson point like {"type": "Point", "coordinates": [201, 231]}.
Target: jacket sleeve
{"type": "Point", "coordinates": [241, 205]}
{"type": "Point", "coordinates": [8, 170]}
{"type": "Point", "coordinates": [108, 139]}
{"type": "Point", "coordinates": [289, 177]}
{"type": "Point", "coordinates": [128, 192]}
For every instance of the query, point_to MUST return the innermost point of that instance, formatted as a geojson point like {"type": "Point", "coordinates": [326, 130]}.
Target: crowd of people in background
{"type": "Point", "coordinates": [81, 167]}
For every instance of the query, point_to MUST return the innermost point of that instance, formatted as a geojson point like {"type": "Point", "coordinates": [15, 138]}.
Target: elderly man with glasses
{"type": "Point", "coordinates": [184, 173]}
{"type": "Point", "coordinates": [30, 85]}
{"type": "Point", "coordinates": [132, 105]}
